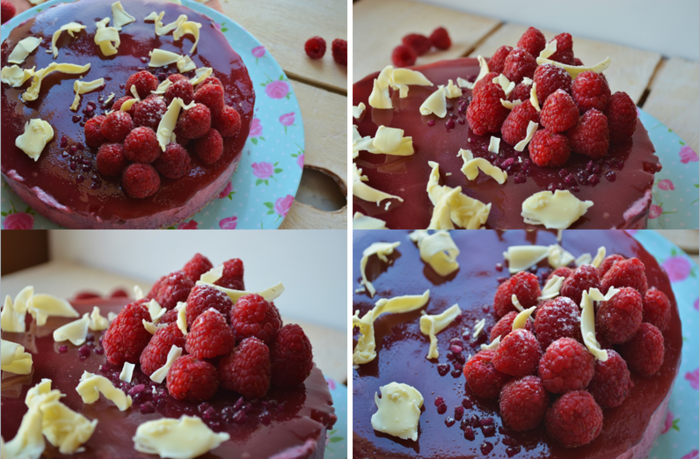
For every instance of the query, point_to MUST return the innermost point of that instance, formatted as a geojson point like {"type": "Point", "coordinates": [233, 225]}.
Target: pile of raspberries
{"type": "Point", "coordinates": [577, 115]}
{"type": "Point", "coordinates": [127, 144]}
{"type": "Point", "coordinates": [415, 44]}
{"type": "Point", "coordinates": [239, 347]}
{"type": "Point", "coordinates": [544, 372]}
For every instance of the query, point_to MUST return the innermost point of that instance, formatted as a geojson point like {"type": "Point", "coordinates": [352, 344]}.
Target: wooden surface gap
{"type": "Point", "coordinates": [483, 39]}
{"type": "Point", "coordinates": [316, 84]}
{"type": "Point", "coordinates": [650, 83]}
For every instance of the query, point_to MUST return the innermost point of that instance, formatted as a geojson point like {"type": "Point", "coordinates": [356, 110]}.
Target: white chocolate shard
{"type": "Point", "coordinates": [557, 210]}
{"type": "Point", "coordinates": [382, 250]}
{"type": "Point", "coordinates": [398, 411]}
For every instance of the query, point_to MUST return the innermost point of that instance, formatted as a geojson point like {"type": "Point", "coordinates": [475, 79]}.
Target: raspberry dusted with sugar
{"type": "Point", "coordinates": [505, 326]}
{"type": "Point", "coordinates": [644, 353]}
{"type": "Point", "coordinates": [339, 48]}
{"type": "Point", "coordinates": [562, 271]}
{"type": "Point", "coordinates": [518, 354]}
{"type": "Point", "coordinates": [440, 38]}
{"type": "Point", "coordinates": [155, 354]}
{"type": "Point", "coordinates": [557, 318]}
{"type": "Point", "coordinates": [618, 319]}
{"type": "Point", "coordinates": [565, 49]}
{"type": "Point", "coordinates": [140, 180]}
{"type": "Point", "coordinates": [175, 77]}
{"type": "Point", "coordinates": [252, 315]}
{"type": "Point", "coordinates": [521, 92]}
{"type": "Point", "coordinates": [116, 126]}
{"type": "Point", "coordinates": [126, 336]}
{"type": "Point", "coordinates": [483, 82]}
{"type": "Point", "coordinates": [523, 403]}
{"type": "Point", "coordinates": [550, 78]}
{"type": "Point", "coordinates": [559, 112]}
{"type": "Point", "coordinates": [590, 90]}
{"type": "Point", "coordinates": [210, 336]}
{"type": "Point", "coordinates": [291, 356]}
{"type": "Point", "coordinates": [622, 117]}
{"type": "Point", "coordinates": [119, 102]}
{"type": "Point", "coordinates": [169, 317]}
{"type": "Point", "coordinates": [420, 43]}
{"type": "Point", "coordinates": [204, 297]}
{"type": "Point", "coordinates": [210, 80]}
{"type": "Point", "coordinates": [7, 11]}
{"type": "Point", "coordinates": [590, 136]}
{"type": "Point", "coordinates": [403, 56]}
{"type": "Point", "coordinates": [247, 369]}
{"type": "Point", "coordinates": [315, 47]}
{"type": "Point", "coordinates": [566, 365]}
{"type": "Point", "coordinates": [611, 383]}
{"type": "Point", "coordinates": [524, 285]}
{"type": "Point", "coordinates": [93, 135]}
{"type": "Point", "coordinates": [141, 145]}
{"type": "Point", "coordinates": [171, 289]}
{"type": "Point", "coordinates": [228, 122]}
{"type": "Point", "coordinates": [626, 273]}
{"type": "Point", "coordinates": [211, 95]}
{"type": "Point", "coordinates": [549, 149]}
{"type": "Point", "coordinates": [657, 309]}
{"type": "Point", "coordinates": [608, 263]}
{"type": "Point", "coordinates": [110, 160]}
{"type": "Point", "coordinates": [195, 122]}
{"type": "Point", "coordinates": [149, 112]}
{"type": "Point", "coordinates": [233, 275]}
{"type": "Point", "coordinates": [174, 162]}
{"type": "Point", "coordinates": [192, 379]}
{"type": "Point", "coordinates": [144, 81]}
{"type": "Point", "coordinates": [198, 265]}
{"type": "Point", "coordinates": [486, 113]}
{"type": "Point", "coordinates": [483, 379]}
{"type": "Point", "coordinates": [532, 41]}
{"type": "Point", "coordinates": [498, 59]}
{"type": "Point", "coordinates": [210, 148]}
{"type": "Point", "coordinates": [583, 278]}
{"type": "Point", "coordinates": [519, 64]}
{"type": "Point", "coordinates": [514, 128]}
{"type": "Point", "coordinates": [575, 419]}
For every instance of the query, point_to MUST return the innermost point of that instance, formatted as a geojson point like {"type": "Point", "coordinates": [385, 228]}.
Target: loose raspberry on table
{"type": "Point", "coordinates": [126, 337]}
{"type": "Point", "coordinates": [403, 56]}
{"type": "Point", "coordinates": [233, 275]}
{"type": "Point", "coordinates": [110, 160]}
{"type": "Point", "coordinates": [140, 180]}
{"type": "Point", "coordinates": [524, 285]}
{"type": "Point", "coordinates": [561, 272]}
{"type": "Point", "coordinates": [212, 96]}
{"type": "Point", "coordinates": [210, 336]}
{"type": "Point", "coordinates": [583, 278]}
{"type": "Point", "coordinates": [210, 148]}
{"type": "Point", "coordinates": [93, 135]}
{"type": "Point", "coordinates": [175, 77]}
{"type": "Point", "coordinates": [626, 273]}
{"type": "Point", "coordinates": [144, 81]}
{"type": "Point", "coordinates": [532, 41]}
{"type": "Point", "coordinates": [505, 326]}
{"type": "Point", "coordinates": [590, 136]}
{"type": "Point", "coordinates": [619, 318]}
{"type": "Point", "coordinates": [590, 90]}
{"type": "Point", "coordinates": [155, 354]}
{"type": "Point", "coordinates": [575, 419]}
{"type": "Point", "coordinates": [204, 297]}
{"type": "Point", "coordinates": [483, 379]}
{"type": "Point", "coordinates": [523, 403]}
{"type": "Point", "coordinates": [315, 47]}
{"type": "Point", "coordinates": [252, 315]}
{"type": "Point", "coordinates": [339, 49]}
{"type": "Point", "coordinates": [498, 59]}
{"type": "Point", "coordinates": [195, 122]}
{"type": "Point", "coordinates": [518, 354]}
{"type": "Point", "coordinates": [149, 112]}
{"type": "Point", "coordinates": [174, 162]}
{"type": "Point", "coordinates": [611, 383]}
{"type": "Point", "coordinates": [228, 122]}
{"type": "Point", "coordinates": [198, 265]}
{"type": "Point", "coordinates": [608, 263]}
{"type": "Point", "coordinates": [657, 309]}
{"type": "Point", "coordinates": [521, 92]}
{"type": "Point", "coordinates": [514, 128]}
{"type": "Point", "coordinates": [519, 64]}
{"type": "Point", "coordinates": [141, 145]}
{"type": "Point", "coordinates": [644, 353]}
{"type": "Point", "coordinates": [170, 289]}
{"type": "Point", "coordinates": [565, 366]}
{"type": "Point", "coordinates": [565, 51]}
{"type": "Point", "coordinates": [559, 112]}
{"type": "Point", "coordinates": [486, 113]}
{"type": "Point", "coordinates": [420, 43]}
{"type": "Point", "coordinates": [116, 126]}
{"type": "Point", "coordinates": [291, 357]}
{"type": "Point", "coordinates": [7, 11]}
{"type": "Point", "coordinates": [192, 379]}
{"type": "Point", "coordinates": [247, 370]}
{"type": "Point", "coordinates": [549, 149]}
{"type": "Point", "coordinates": [557, 318]}
{"type": "Point", "coordinates": [622, 117]}
{"type": "Point", "coordinates": [118, 105]}
{"type": "Point", "coordinates": [440, 38]}
{"type": "Point", "coordinates": [550, 78]}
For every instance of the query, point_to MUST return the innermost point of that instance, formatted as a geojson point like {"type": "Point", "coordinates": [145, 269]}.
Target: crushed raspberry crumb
{"type": "Point", "coordinates": [210, 336]}
{"type": "Point", "coordinates": [565, 366]}
{"type": "Point", "coordinates": [483, 379]}
{"type": "Point", "coordinates": [155, 354]}
{"type": "Point", "coordinates": [144, 81]}
{"type": "Point", "coordinates": [141, 145]}
{"type": "Point", "coordinates": [611, 383]}
{"type": "Point", "coordinates": [582, 279]}
{"type": "Point", "coordinates": [485, 113]}
{"type": "Point", "coordinates": [622, 117]}
{"type": "Point", "coordinates": [291, 357]}
{"type": "Point", "coordinates": [315, 47]}
{"type": "Point", "coordinates": [210, 95]}
{"type": "Point", "coordinates": [339, 48]}
{"type": "Point", "coordinates": [514, 128]}
{"type": "Point", "coordinates": [192, 379]}
{"type": "Point", "coordinates": [559, 112]}
{"type": "Point", "coordinates": [420, 43]}
{"type": "Point", "coordinates": [590, 90]}
{"type": "Point", "coordinates": [93, 135]}
{"type": "Point", "coordinates": [518, 354]}
{"type": "Point", "coordinates": [210, 148]}
{"type": "Point", "coordinates": [626, 273]}
{"type": "Point", "coordinates": [549, 149]}
{"type": "Point", "coordinates": [519, 64]}
{"type": "Point", "coordinates": [233, 275]}
{"type": "Point", "coordinates": [252, 315]}
{"type": "Point", "coordinates": [228, 122]}
{"type": "Point", "coordinates": [657, 309]}
{"type": "Point", "coordinates": [590, 136]}
{"type": "Point", "coordinates": [403, 56]}
{"type": "Point", "coordinates": [524, 285]}
{"type": "Point", "coordinates": [110, 159]}
{"type": "Point", "coordinates": [149, 112]}
{"type": "Point", "coordinates": [116, 126]}
{"type": "Point", "coordinates": [440, 38]}
{"type": "Point", "coordinates": [174, 162]}
{"type": "Point", "coordinates": [247, 370]}
{"type": "Point", "coordinates": [505, 326]}
{"type": "Point", "coordinates": [532, 41]}
{"type": "Point", "coordinates": [619, 318]}
{"type": "Point", "coordinates": [575, 419]}
{"type": "Point", "coordinates": [557, 318]}
{"type": "Point", "coordinates": [202, 298]}
{"type": "Point", "coordinates": [126, 337]}
{"type": "Point", "coordinates": [644, 353]}
{"type": "Point", "coordinates": [140, 180]}
{"type": "Point", "coordinates": [498, 59]}
{"type": "Point", "coordinates": [195, 122]}
{"type": "Point", "coordinates": [523, 403]}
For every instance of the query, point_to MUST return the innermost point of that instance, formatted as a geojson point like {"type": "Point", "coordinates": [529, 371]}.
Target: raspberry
{"type": "Point", "coordinates": [622, 117]}
{"type": "Point", "coordinates": [626, 273]}
{"type": "Point", "coordinates": [149, 112]}
{"type": "Point", "coordinates": [315, 47]}
{"type": "Point", "coordinates": [485, 113]}
{"type": "Point", "coordinates": [119, 102]}
{"type": "Point", "coordinates": [583, 278]}
{"type": "Point", "coordinates": [210, 336]}
{"type": "Point", "coordinates": [116, 126]}
{"type": "Point", "coordinates": [126, 337]}
{"type": "Point", "coordinates": [657, 309]}
{"type": "Point", "coordinates": [210, 148]}
{"type": "Point", "coordinates": [644, 353]}
{"type": "Point", "coordinates": [228, 122]}
{"type": "Point", "coordinates": [611, 383]}
{"type": "Point", "coordinates": [590, 90]}
{"type": "Point", "coordinates": [420, 43]}
{"type": "Point", "coordinates": [247, 370]}
{"type": "Point", "coordinates": [518, 354]}
{"type": "Point", "coordinates": [175, 77]}
{"type": "Point", "coordinates": [519, 64]}
{"type": "Point", "coordinates": [557, 318]}
{"type": "Point", "coordinates": [523, 403]}
{"type": "Point", "coordinates": [141, 145]}
{"type": "Point", "coordinates": [524, 285]}
{"type": "Point", "coordinates": [521, 92]}
{"type": "Point", "coordinates": [198, 265]}
{"type": "Point", "coordinates": [498, 59]}
{"type": "Point", "coordinates": [620, 317]}
{"type": "Point", "coordinates": [440, 38]}
{"type": "Point", "coordinates": [174, 162]}
{"type": "Point", "coordinates": [291, 357]}
{"type": "Point", "coordinates": [559, 112]}
{"type": "Point", "coordinates": [110, 159]}
{"type": "Point", "coordinates": [204, 297]}
{"type": "Point", "coordinates": [168, 317]}
{"type": "Point", "coordinates": [575, 419]}
{"type": "Point", "coordinates": [233, 275]}
{"type": "Point", "coordinates": [403, 56]}
{"type": "Point", "coordinates": [339, 48]}
{"type": "Point", "coordinates": [195, 122]}
{"type": "Point", "coordinates": [565, 366]}
{"type": "Point", "coordinates": [192, 379]}
{"type": "Point", "coordinates": [532, 41]}
{"type": "Point", "coordinates": [549, 78]}
{"type": "Point", "coordinates": [514, 128]}
{"type": "Point", "coordinates": [590, 136]}
{"type": "Point", "coordinates": [93, 135]}
{"type": "Point", "coordinates": [144, 81]}
{"type": "Point", "coordinates": [505, 326]}
{"type": "Point", "coordinates": [483, 82]}
{"type": "Point", "coordinates": [210, 80]}
{"type": "Point", "coordinates": [254, 316]}
{"type": "Point", "coordinates": [608, 263]}
{"type": "Point", "coordinates": [561, 272]}
{"type": "Point", "coordinates": [565, 51]}
{"type": "Point", "coordinates": [549, 149]}
{"type": "Point", "coordinates": [170, 289]}
{"type": "Point", "coordinates": [155, 354]}
{"type": "Point", "coordinates": [210, 95]}
{"type": "Point", "coordinates": [7, 11]}
{"type": "Point", "coordinates": [483, 379]}
{"type": "Point", "coordinates": [140, 180]}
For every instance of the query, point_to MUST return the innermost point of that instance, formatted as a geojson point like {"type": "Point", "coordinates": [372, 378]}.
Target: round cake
{"type": "Point", "coordinates": [628, 430]}
{"type": "Point", "coordinates": [64, 184]}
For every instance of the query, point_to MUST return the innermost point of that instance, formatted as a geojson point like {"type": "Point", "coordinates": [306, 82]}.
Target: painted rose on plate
{"type": "Point", "coordinates": [229, 223]}
{"type": "Point", "coordinates": [278, 89]}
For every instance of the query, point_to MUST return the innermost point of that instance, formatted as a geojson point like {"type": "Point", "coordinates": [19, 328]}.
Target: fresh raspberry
{"type": "Point", "coordinates": [212, 96]}
{"type": "Point", "coordinates": [483, 82]}
{"type": "Point", "coordinates": [440, 38]}
{"type": "Point", "coordinates": [228, 122]}
{"type": "Point", "coordinates": [514, 128]}
{"type": "Point", "coordinates": [519, 64]}
{"type": "Point", "coordinates": [518, 354]}
{"type": "Point", "coordinates": [93, 135]}
{"type": "Point", "coordinates": [233, 275]}
{"type": "Point", "coordinates": [521, 92]}
{"type": "Point", "coordinates": [590, 90]}
{"type": "Point", "coordinates": [523, 403]}
{"type": "Point", "coordinates": [657, 309]}
{"type": "Point", "coordinates": [254, 316]}
{"type": "Point", "coordinates": [561, 272]}
{"type": "Point", "coordinates": [486, 113]}
{"type": "Point", "coordinates": [203, 298]}
{"type": "Point", "coordinates": [198, 265]}
{"type": "Point", "coordinates": [549, 149]}
{"type": "Point", "coordinates": [578, 62]}
{"type": "Point", "coordinates": [505, 326]}
{"type": "Point", "coordinates": [210, 80]}
{"type": "Point", "coordinates": [110, 159]}
{"type": "Point", "coordinates": [644, 353]}
{"type": "Point", "coordinates": [7, 11]}
{"type": "Point", "coordinates": [144, 81]}
{"type": "Point", "coordinates": [116, 126]}
{"type": "Point", "coordinates": [622, 117]}
{"type": "Point", "coordinates": [483, 379]}
{"type": "Point", "coordinates": [174, 162]}
{"type": "Point", "coordinates": [557, 318]}
{"type": "Point", "coordinates": [532, 41]}
{"type": "Point", "coordinates": [126, 336]}
{"type": "Point", "coordinates": [210, 148]}
{"type": "Point", "coordinates": [195, 122]}
{"type": "Point", "coordinates": [247, 370]}
{"type": "Point", "coordinates": [403, 56]}
{"type": "Point", "coordinates": [119, 102]}
{"type": "Point", "coordinates": [524, 285]}
{"type": "Point", "coordinates": [210, 336]}
{"type": "Point", "coordinates": [169, 317]}
{"type": "Point", "coordinates": [498, 59]}
{"type": "Point", "coordinates": [575, 419]}
{"type": "Point", "coordinates": [611, 383]}
{"type": "Point", "coordinates": [565, 49]}
{"type": "Point", "coordinates": [620, 317]}
{"type": "Point", "coordinates": [626, 273]}
{"type": "Point", "coordinates": [315, 47]}
{"type": "Point", "coordinates": [291, 357]}
{"type": "Point", "coordinates": [559, 112]}
{"type": "Point", "coordinates": [155, 354]}
{"type": "Point", "coordinates": [140, 180]}
{"type": "Point", "coordinates": [550, 78]}
{"type": "Point", "coordinates": [175, 77]}
{"type": "Point", "coordinates": [149, 112]}
{"type": "Point", "coordinates": [608, 263]}
{"type": "Point", "coordinates": [420, 43]}
{"type": "Point", "coordinates": [141, 145]}
{"type": "Point", "coordinates": [565, 366]}
{"type": "Point", "coordinates": [582, 279]}
{"type": "Point", "coordinates": [170, 289]}
{"type": "Point", "coordinates": [590, 136]}
{"type": "Point", "coordinates": [339, 48]}
{"type": "Point", "coordinates": [192, 379]}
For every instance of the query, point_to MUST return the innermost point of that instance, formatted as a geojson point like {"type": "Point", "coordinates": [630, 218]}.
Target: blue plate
{"type": "Point", "coordinates": [337, 441]}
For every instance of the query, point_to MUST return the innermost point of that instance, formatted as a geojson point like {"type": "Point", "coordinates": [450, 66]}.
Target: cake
{"type": "Point", "coordinates": [65, 183]}
{"type": "Point", "coordinates": [479, 430]}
